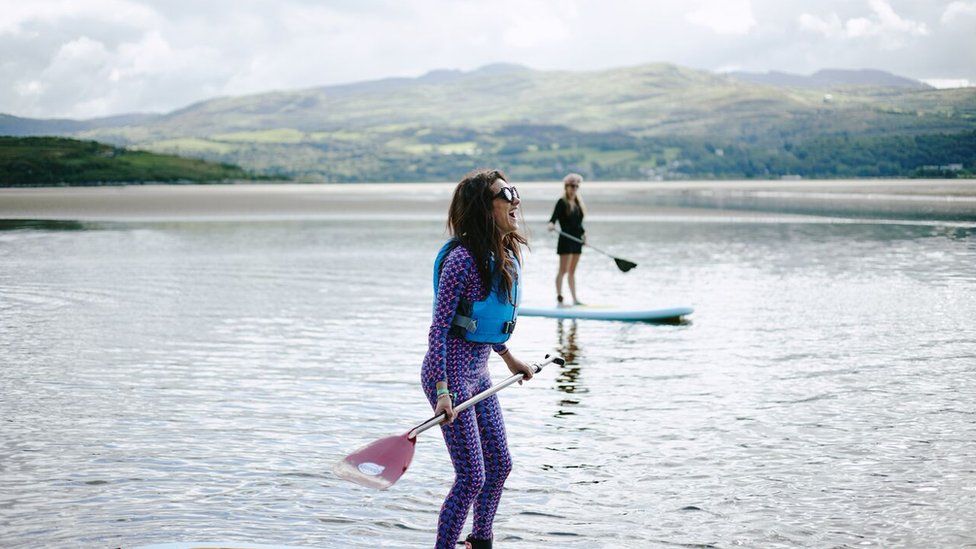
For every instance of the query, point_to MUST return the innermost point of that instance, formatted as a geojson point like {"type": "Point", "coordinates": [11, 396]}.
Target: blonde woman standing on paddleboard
{"type": "Point", "coordinates": [569, 211]}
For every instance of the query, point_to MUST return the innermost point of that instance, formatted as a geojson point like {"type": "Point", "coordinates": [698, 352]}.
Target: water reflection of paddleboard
{"type": "Point", "coordinates": [217, 545]}
{"type": "Point", "coordinates": [607, 313]}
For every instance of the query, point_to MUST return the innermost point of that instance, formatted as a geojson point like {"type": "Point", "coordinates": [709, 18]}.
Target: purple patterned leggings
{"type": "Point", "coordinates": [476, 442]}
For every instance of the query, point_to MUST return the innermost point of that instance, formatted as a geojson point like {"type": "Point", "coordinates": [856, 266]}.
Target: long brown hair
{"type": "Point", "coordinates": [470, 220]}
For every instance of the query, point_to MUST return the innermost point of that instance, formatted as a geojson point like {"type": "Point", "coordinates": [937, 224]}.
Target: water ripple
{"type": "Point", "coordinates": [166, 382]}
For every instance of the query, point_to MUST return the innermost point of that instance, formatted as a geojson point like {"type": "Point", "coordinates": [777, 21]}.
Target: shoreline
{"type": "Point", "coordinates": [911, 198]}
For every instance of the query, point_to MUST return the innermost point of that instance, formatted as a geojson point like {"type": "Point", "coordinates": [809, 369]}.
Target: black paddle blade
{"type": "Point", "coordinates": [623, 264]}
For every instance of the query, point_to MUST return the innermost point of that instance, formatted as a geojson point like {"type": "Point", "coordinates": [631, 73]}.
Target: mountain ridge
{"type": "Point", "coordinates": [821, 79]}
{"type": "Point", "coordinates": [23, 127]}
{"type": "Point", "coordinates": [827, 79]}
{"type": "Point", "coordinates": [655, 120]}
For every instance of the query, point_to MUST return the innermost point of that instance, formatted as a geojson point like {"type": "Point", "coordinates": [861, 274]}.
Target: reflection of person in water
{"type": "Point", "coordinates": [568, 379]}
{"type": "Point", "coordinates": [567, 341]}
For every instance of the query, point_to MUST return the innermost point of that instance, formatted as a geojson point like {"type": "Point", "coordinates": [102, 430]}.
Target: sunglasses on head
{"type": "Point", "coordinates": [508, 194]}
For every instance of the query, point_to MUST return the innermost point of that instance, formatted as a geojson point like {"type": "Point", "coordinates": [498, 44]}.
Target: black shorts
{"type": "Point", "coordinates": [567, 246]}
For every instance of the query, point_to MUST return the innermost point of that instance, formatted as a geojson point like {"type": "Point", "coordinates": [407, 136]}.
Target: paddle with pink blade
{"type": "Point", "coordinates": [381, 463]}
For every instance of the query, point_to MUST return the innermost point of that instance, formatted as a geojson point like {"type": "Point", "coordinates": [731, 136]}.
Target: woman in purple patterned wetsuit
{"type": "Point", "coordinates": [483, 221]}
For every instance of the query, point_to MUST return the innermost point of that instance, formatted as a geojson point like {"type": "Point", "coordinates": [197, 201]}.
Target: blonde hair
{"type": "Point", "coordinates": [578, 202]}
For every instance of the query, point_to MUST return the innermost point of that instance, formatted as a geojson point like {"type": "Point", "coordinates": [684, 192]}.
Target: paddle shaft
{"type": "Point", "coordinates": [571, 237]}
{"type": "Point", "coordinates": [436, 420]}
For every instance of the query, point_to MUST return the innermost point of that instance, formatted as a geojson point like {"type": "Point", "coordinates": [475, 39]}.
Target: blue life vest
{"type": "Point", "coordinates": [491, 320]}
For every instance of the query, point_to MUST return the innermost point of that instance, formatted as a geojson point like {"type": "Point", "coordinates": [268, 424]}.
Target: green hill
{"type": "Point", "coordinates": [17, 126]}
{"type": "Point", "coordinates": [645, 122]}
{"type": "Point", "coordinates": [831, 79]}
{"type": "Point", "coordinates": [36, 161]}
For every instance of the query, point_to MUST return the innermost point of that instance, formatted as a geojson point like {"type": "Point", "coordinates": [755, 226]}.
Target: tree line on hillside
{"type": "Point", "coordinates": [840, 156]}
{"type": "Point", "coordinates": [526, 152]}
{"type": "Point", "coordinates": [34, 161]}
{"type": "Point", "coordinates": [548, 152]}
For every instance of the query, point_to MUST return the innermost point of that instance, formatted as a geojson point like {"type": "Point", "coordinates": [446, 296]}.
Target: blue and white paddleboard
{"type": "Point", "coordinates": [607, 313]}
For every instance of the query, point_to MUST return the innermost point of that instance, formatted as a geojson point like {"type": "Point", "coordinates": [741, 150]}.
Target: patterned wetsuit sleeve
{"type": "Point", "coordinates": [457, 268]}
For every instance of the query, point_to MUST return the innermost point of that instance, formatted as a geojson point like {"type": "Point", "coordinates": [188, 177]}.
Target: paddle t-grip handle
{"type": "Point", "coordinates": [436, 420]}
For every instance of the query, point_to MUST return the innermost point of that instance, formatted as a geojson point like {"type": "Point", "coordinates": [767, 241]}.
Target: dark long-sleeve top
{"type": "Point", "coordinates": [569, 222]}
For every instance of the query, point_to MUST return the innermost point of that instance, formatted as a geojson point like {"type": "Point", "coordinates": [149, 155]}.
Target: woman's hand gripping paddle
{"type": "Point", "coordinates": [380, 464]}
{"type": "Point", "coordinates": [622, 264]}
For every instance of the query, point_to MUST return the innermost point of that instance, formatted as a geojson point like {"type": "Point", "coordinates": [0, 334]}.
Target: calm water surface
{"type": "Point", "coordinates": [196, 381]}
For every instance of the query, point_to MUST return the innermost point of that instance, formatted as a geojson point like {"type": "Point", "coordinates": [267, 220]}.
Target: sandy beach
{"type": "Point", "coordinates": [935, 199]}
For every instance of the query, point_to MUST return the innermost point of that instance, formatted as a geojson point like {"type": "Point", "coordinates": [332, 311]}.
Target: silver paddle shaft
{"type": "Point", "coordinates": [571, 237]}
{"type": "Point", "coordinates": [436, 420]}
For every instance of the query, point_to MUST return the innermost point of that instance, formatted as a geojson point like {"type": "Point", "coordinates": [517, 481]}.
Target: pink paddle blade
{"type": "Point", "coordinates": [378, 464]}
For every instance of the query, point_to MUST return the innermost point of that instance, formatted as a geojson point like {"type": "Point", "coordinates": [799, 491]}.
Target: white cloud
{"type": "Point", "coordinates": [83, 58]}
{"type": "Point", "coordinates": [29, 88]}
{"type": "Point", "coordinates": [733, 17]}
{"type": "Point", "coordinates": [97, 79]}
{"type": "Point", "coordinates": [830, 26]}
{"type": "Point", "coordinates": [17, 14]}
{"type": "Point", "coordinates": [958, 9]}
{"type": "Point", "coordinates": [537, 24]}
{"type": "Point", "coordinates": [946, 83]}
{"type": "Point", "coordinates": [885, 24]}
{"type": "Point", "coordinates": [153, 54]}
{"type": "Point", "coordinates": [81, 50]}
{"type": "Point", "coordinates": [889, 21]}
{"type": "Point", "coordinates": [860, 27]}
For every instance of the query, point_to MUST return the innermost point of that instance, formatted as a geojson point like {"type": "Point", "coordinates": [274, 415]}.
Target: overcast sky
{"type": "Point", "coordinates": [86, 58]}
